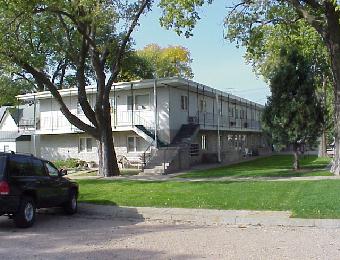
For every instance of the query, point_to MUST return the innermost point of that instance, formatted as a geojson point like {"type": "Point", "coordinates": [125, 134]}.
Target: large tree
{"type": "Point", "coordinates": [245, 16]}
{"type": "Point", "coordinates": [293, 115]}
{"type": "Point", "coordinates": [85, 40]}
{"type": "Point", "coordinates": [168, 61]}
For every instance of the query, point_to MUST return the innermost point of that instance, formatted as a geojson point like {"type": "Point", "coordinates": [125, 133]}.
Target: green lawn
{"type": "Point", "coordinates": [306, 199]}
{"type": "Point", "coordinates": [273, 166]}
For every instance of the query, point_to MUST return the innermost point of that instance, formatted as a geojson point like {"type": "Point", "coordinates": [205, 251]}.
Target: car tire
{"type": "Point", "coordinates": [25, 216]}
{"type": "Point", "coordinates": [71, 206]}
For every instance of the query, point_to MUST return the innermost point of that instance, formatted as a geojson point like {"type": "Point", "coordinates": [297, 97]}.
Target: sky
{"type": "Point", "coordinates": [216, 62]}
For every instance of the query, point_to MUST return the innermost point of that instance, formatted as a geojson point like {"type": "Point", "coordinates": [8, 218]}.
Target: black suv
{"type": "Point", "coordinates": [28, 183]}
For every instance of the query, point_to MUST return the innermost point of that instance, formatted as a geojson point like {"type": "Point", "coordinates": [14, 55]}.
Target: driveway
{"type": "Point", "coordinates": [82, 236]}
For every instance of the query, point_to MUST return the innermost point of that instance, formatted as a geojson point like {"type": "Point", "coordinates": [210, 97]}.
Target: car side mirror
{"type": "Point", "coordinates": [62, 172]}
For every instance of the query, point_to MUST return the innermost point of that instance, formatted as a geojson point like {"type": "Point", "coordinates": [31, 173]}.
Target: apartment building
{"type": "Point", "coordinates": [162, 125]}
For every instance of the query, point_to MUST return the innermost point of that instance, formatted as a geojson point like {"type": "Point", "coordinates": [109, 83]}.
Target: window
{"type": "Point", "coordinates": [242, 114]}
{"type": "Point", "coordinates": [112, 104]}
{"type": "Point", "coordinates": [51, 169]}
{"type": "Point", "coordinates": [79, 109]}
{"type": "Point", "coordinates": [142, 102]}
{"type": "Point", "coordinates": [38, 167]}
{"type": "Point", "coordinates": [138, 102]}
{"type": "Point", "coordinates": [2, 165]}
{"type": "Point", "coordinates": [236, 113]}
{"type": "Point", "coordinates": [203, 105]}
{"type": "Point", "coordinates": [231, 112]}
{"type": "Point", "coordinates": [184, 102]}
{"type": "Point", "coordinates": [129, 102]}
{"type": "Point", "coordinates": [20, 166]}
{"type": "Point", "coordinates": [6, 148]}
{"type": "Point", "coordinates": [136, 144]}
{"type": "Point", "coordinates": [85, 144]}
{"type": "Point", "coordinates": [204, 142]}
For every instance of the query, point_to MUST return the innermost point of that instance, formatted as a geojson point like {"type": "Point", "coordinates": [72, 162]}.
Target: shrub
{"type": "Point", "coordinates": [66, 164]}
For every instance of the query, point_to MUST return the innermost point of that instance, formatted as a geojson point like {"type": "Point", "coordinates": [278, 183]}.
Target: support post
{"type": "Point", "coordinates": [155, 106]}
{"type": "Point", "coordinates": [218, 131]}
{"type": "Point", "coordinates": [35, 126]}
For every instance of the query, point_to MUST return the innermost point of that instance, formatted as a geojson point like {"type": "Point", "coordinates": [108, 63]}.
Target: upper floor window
{"type": "Point", "coordinates": [236, 113]}
{"type": "Point", "coordinates": [79, 109]}
{"type": "Point", "coordinates": [184, 102]}
{"type": "Point", "coordinates": [231, 112]}
{"type": "Point", "coordinates": [203, 105]}
{"type": "Point", "coordinates": [138, 102]}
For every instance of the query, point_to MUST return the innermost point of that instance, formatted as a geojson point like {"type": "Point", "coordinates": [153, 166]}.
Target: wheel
{"type": "Point", "coordinates": [71, 206]}
{"type": "Point", "coordinates": [25, 216]}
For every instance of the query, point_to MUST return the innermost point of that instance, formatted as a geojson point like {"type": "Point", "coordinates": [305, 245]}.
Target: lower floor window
{"type": "Point", "coordinates": [85, 144]}
{"type": "Point", "coordinates": [6, 148]}
{"type": "Point", "coordinates": [136, 144]}
{"type": "Point", "coordinates": [204, 142]}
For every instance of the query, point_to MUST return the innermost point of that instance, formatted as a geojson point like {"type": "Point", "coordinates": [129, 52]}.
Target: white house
{"type": "Point", "coordinates": [17, 125]}
{"type": "Point", "coordinates": [190, 121]}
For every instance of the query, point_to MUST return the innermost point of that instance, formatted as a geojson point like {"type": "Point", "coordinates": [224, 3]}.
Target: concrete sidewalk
{"type": "Point", "coordinates": [205, 216]}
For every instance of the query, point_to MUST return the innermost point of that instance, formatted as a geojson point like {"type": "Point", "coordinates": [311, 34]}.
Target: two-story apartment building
{"type": "Point", "coordinates": [190, 121]}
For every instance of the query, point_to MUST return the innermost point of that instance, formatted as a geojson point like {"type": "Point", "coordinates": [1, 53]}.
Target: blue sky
{"type": "Point", "coordinates": [216, 62]}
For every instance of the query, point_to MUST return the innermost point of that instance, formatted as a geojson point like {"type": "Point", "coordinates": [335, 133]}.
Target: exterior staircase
{"type": "Point", "coordinates": [149, 135]}
{"type": "Point", "coordinates": [185, 134]}
{"type": "Point", "coordinates": [161, 161]}
{"type": "Point", "coordinates": [167, 159]}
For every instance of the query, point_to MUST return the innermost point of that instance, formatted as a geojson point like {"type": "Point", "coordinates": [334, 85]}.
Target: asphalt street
{"type": "Point", "coordinates": [56, 236]}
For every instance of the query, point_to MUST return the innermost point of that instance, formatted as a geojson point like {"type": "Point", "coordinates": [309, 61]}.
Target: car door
{"type": "Point", "coordinates": [46, 191]}
{"type": "Point", "coordinates": [57, 183]}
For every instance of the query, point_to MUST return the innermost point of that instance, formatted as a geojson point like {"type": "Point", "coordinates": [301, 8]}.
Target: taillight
{"type": "Point", "coordinates": [4, 188]}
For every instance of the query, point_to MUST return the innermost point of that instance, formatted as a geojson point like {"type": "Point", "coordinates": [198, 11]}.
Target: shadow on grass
{"type": "Point", "coordinates": [274, 166]}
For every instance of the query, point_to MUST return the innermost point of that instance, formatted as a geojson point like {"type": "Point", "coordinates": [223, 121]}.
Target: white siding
{"type": "Point", "coordinates": [8, 123]}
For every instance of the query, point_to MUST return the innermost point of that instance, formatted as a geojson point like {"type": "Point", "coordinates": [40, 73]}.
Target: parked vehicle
{"type": "Point", "coordinates": [28, 183]}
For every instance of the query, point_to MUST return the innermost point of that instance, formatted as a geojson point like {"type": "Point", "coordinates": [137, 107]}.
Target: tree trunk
{"type": "Point", "coordinates": [296, 163]}
{"type": "Point", "coordinates": [323, 145]}
{"type": "Point", "coordinates": [332, 39]}
{"type": "Point", "coordinates": [108, 165]}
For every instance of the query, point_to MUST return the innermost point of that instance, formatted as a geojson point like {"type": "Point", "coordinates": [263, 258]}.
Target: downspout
{"type": "Point", "coordinates": [35, 127]}
{"type": "Point", "coordinates": [155, 106]}
{"type": "Point", "coordinates": [218, 131]}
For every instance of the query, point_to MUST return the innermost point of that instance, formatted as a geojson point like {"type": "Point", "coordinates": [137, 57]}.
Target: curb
{"type": "Point", "coordinates": [205, 216]}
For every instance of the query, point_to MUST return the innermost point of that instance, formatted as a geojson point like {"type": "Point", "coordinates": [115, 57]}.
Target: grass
{"type": "Point", "coordinates": [306, 199]}
{"type": "Point", "coordinates": [123, 172]}
{"type": "Point", "coordinates": [273, 166]}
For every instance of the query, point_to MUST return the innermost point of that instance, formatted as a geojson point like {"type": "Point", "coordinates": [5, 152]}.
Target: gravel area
{"type": "Point", "coordinates": [56, 236]}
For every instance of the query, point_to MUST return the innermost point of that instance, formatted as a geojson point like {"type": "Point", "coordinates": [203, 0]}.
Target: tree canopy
{"type": "Point", "coordinates": [167, 62]}
{"type": "Point", "coordinates": [293, 114]}
{"type": "Point", "coordinates": [52, 42]}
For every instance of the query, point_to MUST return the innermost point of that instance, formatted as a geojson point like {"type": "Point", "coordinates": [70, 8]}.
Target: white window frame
{"type": "Point", "coordinates": [86, 145]}
{"type": "Point", "coordinates": [184, 102]}
{"type": "Point", "coordinates": [6, 148]}
{"type": "Point", "coordinates": [204, 142]}
{"type": "Point", "coordinates": [134, 102]}
{"type": "Point", "coordinates": [134, 144]}
{"type": "Point", "coordinates": [203, 105]}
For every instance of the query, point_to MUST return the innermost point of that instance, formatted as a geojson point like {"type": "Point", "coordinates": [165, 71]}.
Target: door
{"type": "Point", "coordinates": [58, 184]}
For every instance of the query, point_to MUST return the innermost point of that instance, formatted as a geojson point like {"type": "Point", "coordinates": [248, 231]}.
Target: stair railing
{"type": "Point", "coordinates": [148, 154]}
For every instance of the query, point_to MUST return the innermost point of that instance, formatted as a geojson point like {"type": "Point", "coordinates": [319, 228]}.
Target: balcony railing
{"type": "Point", "coordinates": [210, 120]}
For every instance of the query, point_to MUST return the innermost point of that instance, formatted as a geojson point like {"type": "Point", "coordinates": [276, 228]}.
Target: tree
{"type": "Point", "coordinates": [84, 41]}
{"type": "Point", "coordinates": [10, 88]}
{"type": "Point", "coordinates": [169, 61]}
{"type": "Point", "coordinates": [293, 114]}
{"type": "Point", "coordinates": [245, 16]}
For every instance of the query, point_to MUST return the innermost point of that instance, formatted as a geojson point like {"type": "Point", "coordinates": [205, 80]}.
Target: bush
{"type": "Point", "coordinates": [66, 164]}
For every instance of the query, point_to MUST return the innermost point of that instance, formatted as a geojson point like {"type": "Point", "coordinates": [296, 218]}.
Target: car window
{"type": "Point", "coordinates": [2, 165]}
{"type": "Point", "coordinates": [51, 170]}
{"type": "Point", "coordinates": [38, 167]}
{"type": "Point", "coordinates": [20, 166]}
